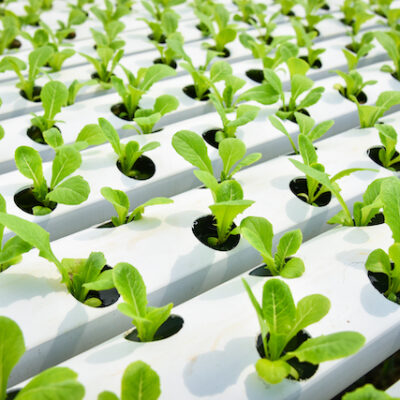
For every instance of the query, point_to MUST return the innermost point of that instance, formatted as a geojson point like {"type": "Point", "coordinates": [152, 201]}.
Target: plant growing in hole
{"type": "Point", "coordinates": [76, 16]}
{"type": "Point", "coordinates": [307, 128]}
{"type": "Point", "coordinates": [163, 28]}
{"type": "Point", "coordinates": [319, 182]}
{"type": "Point", "coordinates": [75, 87]}
{"type": "Point", "coordinates": [390, 41]}
{"type": "Point", "coordinates": [113, 11]}
{"type": "Point", "coordinates": [229, 203]}
{"type": "Point", "coordinates": [54, 96]}
{"type": "Point", "coordinates": [286, 6]}
{"type": "Point", "coordinates": [369, 115]}
{"type": "Point", "coordinates": [248, 10]}
{"type": "Point", "coordinates": [219, 28]}
{"type": "Point", "coordinates": [36, 60]}
{"type": "Point", "coordinates": [387, 154]}
{"type": "Point", "coordinates": [78, 275]}
{"type": "Point", "coordinates": [108, 37]}
{"type": "Point", "coordinates": [360, 47]}
{"type": "Point", "coordinates": [303, 38]}
{"type": "Point", "coordinates": [121, 203]}
{"type": "Point", "coordinates": [145, 119]}
{"type": "Point", "coordinates": [12, 250]}
{"type": "Point", "coordinates": [353, 59]}
{"type": "Point", "coordinates": [131, 287]}
{"type": "Point", "coordinates": [350, 10]}
{"type": "Point", "coordinates": [156, 8]}
{"type": "Point", "coordinates": [132, 92]}
{"type": "Point", "coordinates": [45, 37]}
{"type": "Point", "coordinates": [354, 85]}
{"type": "Point", "coordinates": [312, 16]}
{"type": "Point", "coordinates": [9, 32]}
{"type": "Point", "coordinates": [232, 151]}
{"type": "Point", "coordinates": [300, 85]}
{"type": "Point", "coordinates": [128, 153]}
{"type": "Point", "coordinates": [59, 382]}
{"type": "Point", "coordinates": [281, 321]}
{"type": "Point", "coordinates": [72, 191]}
{"type": "Point", "coordinates": [259, 233]}
{"type": "Point", "coordinates": [139, 381]}
{"type": "Point", "coordinates": [367, 391]}
{"type": "Point", "coordinates": [168, 55]}
{"type": "Point", "coordinates": [32, 13]}
{"type": "Point", "coordinates": [389, 263]}
{"type": "Point", "coordinates": [105, 64]}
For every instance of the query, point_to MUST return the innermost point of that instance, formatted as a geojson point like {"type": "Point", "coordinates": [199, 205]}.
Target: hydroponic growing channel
{"type": "Point", "coordinates": [199, 199]}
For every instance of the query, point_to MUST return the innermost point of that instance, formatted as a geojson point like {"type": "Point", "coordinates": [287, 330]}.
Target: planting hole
{"type": "Point", "coordinates": [26, 201]}
{"type": "Point", "coordinates": [267, 41]}
{"type": "Point", "coordinates": [381, 283]}
{"type": "Point", "coordinates": [373, 154]}
{"type": "Point", "coordinates": [205, 227]}
{"type": "Point", "coordinates": [36, 94]}
{"type": "Point", "coordinates": [15, 44]}
{"type": "Point", "coordinates": [292, 117]}
{"type": "Point", "coordinates": [317, 64]}
{"type": "Point", "coordinates": [225, 53]}
{"type": "Point", "coordinates": [144, 168]}
{"type": "Point", "coordinates": [191, 92]}
{"type": "Point", "coordinates": [262, 271]}
{"type": "Point", "coordinates": [12, 394]}
{"type": "Point", "coordinates": [96, 76]}
{"type": "Point", "coordinates": [326, 7]}
{"type": "Point", "coordinates": [71, 36]}
{"type": "Point", "coordinates": [203, 28]}
{"type": "Point", "coordinates": [169, 328]}
{"type": "Point", "coordinates": [256, 75]}
{"type": "Point", "coordinates": [162, 39]}
{"type": "Point", "coordinates": [209, 137]}
{"type": "Point", "coordinates": [172, 64]}
{"type": "Point", "coordinates": [305, 369]}
{"type": "Point", "coordinates": [361, 97]}
{"type": "Point", "coordinates": [299, 186]}
{"type": "Point", "coordinates": [35, 133]}
{"type": "Point", "coordinates": [120, 111]}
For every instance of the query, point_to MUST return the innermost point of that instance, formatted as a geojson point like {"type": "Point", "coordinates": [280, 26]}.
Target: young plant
{"type": "Point", "coordinates": [139, 381]}
{"type": "Point", "coordinates": [33, 10]}
{"type": "Point", "coordinates": [36, 60]}
{"type": "Point", "coordinates": [319, 182]}
{"type": "Point", "coordinates": [157, 8]}
{"type": "Point", "coordinates": [128, 153]}
{"type": "Point", "coordinates": [76, 16]}
{"type": "Point", "coordinates": [369, 115]}
{"type": "Point", "coordinates": [307, 128]}
{"type": "Point", "coordinates": [259, 233]}
{"type": "Point", "coordinates": [368, 391]}
{"type": "Point", "coordinates": [360, 47]}
{"type": "Point", "coordinates": [145, 119]}
{"type": "Point", "coordinates": [286, 6]}
{"type": "Point", "coordinates": [59, 382]}
{"type": "Point", "coordinates": [350, 10]}
{"type": "Point", "coordinates": [312, 15]}
{"type": "Point", "coordinates": [167, 26]}
{"type": "Point", "coordinates": [265, 24]}
{"type": "Point", "coordinates": [110, 36]}
{"type": "Point", "coordinates": [389, 263]}
{"type": "Point", "coordinates": [131, 287]}
{"type": "Point", "coordinates": [9, 32]}
{"type": "Point", "coordinates": [354, 85]}
{"type": "Point", "coordinates": [54, 96]}
{"type": "Point", "coordinates": [232, 151]}
{"type": "Point", "coordinates": [72, 191]}
{"type": "Point", "coordinates": [75, 87]}
{"type": "Point", "coordinates": [104, 65]}
{"type": "Point", "coordinates": [390, 41]}
{"type": "Point", "coordinates": [132, 92]}
{"type": "Point", "coordinates": [353, 57]}
{"type": "Point", "coordinates": [168, 55]}
{"type": "Point", "coordinates": [111, 12]}
{"type": "Point", "coordinates": [78, 275]}
{"type": "Point", "coordinates": [280, 321]}
{"type": "Point", "coordinates": [248, 9]}
{"type": "Point", "coordinates": [121, 203]}
{"type": "Point", "coordinates": [387, 154]}
{"type": "Point", "coordinates": [303, 38]}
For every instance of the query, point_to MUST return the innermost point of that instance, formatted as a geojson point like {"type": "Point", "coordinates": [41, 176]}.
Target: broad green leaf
{"type": "Point", "coordinates": [37, 59]}
{"type": "Point", "coordinates": [107, 396]}
{"type": "Point", "coordinates": [111, 135]}
{"type": "Point", "coordinates": [294, 268]}
{"type": "Point", "coordinates": [92, 134]}
{"type": "Point", "coordinates": [72, 191]}
{"type": "Point", "coordinates": [231, 150]}
{"type": "Point", "coordinates": [378, 261]}
{"type": "Point", "coordinates": [154, 74]}
{"type": "Point", "coordinates": [311, 98]}
{"type": "Point", "coordinates": [104, 281]}
{"type": "Point", "coordinates": [140, 382]}
{"type": "Point", "coordinates": [390, 194]}
{"type": "Point", "coordinates": [192, 148]}
{"type": "Point", "coordinates": [119, 200]}
{"type": "Point", "coordinates": [66, 161]}
{"type": "Point", "coordinates": [328, 347]}
{"type": "Point", "coordinates": [29, 163]}
{"type": "Point", "coordinates": [229, 190]}
{"type": "Point", "coordinates": [53, 138]}
{"type": "Point", "coordinates": [307, 150]}
{"type": "Point", "coordinates": [13, 248]}
{"type": "Point", "coordinates": [388, 99]}
{"type": "Point", "coordinates": [297, 66]}
{"type": "Point", "coordinates": [264, 94]}
{"type": "Point", "coordinates": [246, 161]}
{"type": "Point", "coordinates": [272, 371]}
{"type": "Point", "coordinates": [305, 123]}
{"type": "Point", "coordinates": [58, 383]}
{"type": "Point", "coordinates": [299, 85]}
{"type": "Point", "coordinates": [273, 79]}
{"type": "Point", "coordinates": [90, 270]}
{"type": "Point", "coordinates": [207, 179]}
{"type": "Point", "coordinates": [219, 71]}
{"type": "Point", "coordinates": [288, 245]}
{"type": "Point", "coordinates": [389, 45]}
{"type": "Point", "coordinates": [54, 96]}
{"type": "Point", "coordinates": [368, 392]}
{"type": "Point", "coordinates": [12, 347]}
{"type": "Point", "coordinates": [165, 104]}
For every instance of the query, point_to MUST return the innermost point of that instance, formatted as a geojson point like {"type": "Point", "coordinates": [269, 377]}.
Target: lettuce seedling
{"type": "Point", "coordinates": [132, 92]}
{"type": "Point", "coordinates": [145, 119]}
{"type": "Point", "coordinates": [163, 28]}
{"type": "Point", "coordinates": [104, 65]}
{"type": "Point", "coordinates": [259, 233]}
{"type": "Point", "coordinates": [221, 31]}
{"type": "Point", "coordinates": [58, 382]}
{"type": "Point", "coordinates": [319, 182]}
{"type": "Point", "coordinates": [72, 191]}
{"type": "Point", "coordinates": [131, 287]}
{"type": "Point", "coordinates": [354, 85]}
{"type": "Point", "coordinates": [389, 263]}
{"type": "Point", "coordinates": [36, 60]}
{"type": "Point", "coordinates": [54, 96]}
{"type": "Point", "coordinates": [33, 10]}
{"type": "Point", "coordinates": [286, 6]}
{"type": "Point", "coordinates": [368, 391]}
{"type": "Point", "coordinates": [168, 55]}
{"type": "Point", "coordinates": [390, 41]}
{"type": "Point", "coordinates": [11, 251]}
{"type": "Point", "coordinates": [46, 5]}
{"type": "Point", "coordinates": [312, 17]}
{"type": "Point", "coordinates": [357, 51]}
{"type": "Point", "coordinates": [350, 10]}
{"type": "Point", "coordinates": [112, 12]}
{"type": "Point", "coordinates": [307, 128]}
{"type": "Point", "coordinates": [157, 8]}
{"type": "Point", "coordinates": [9, 32]}
{"type": "Point", "coordinates": [387, 154]}
{"type": "Point", "coordinates": [229, 203]}
{"type": "Point", "coordinates": [248, 9]}
{"type": "Point", "coordinates": [128, 153]}
{"type": "Point", "coordinates": [232, 151]}
{"type": "Point", "coordinates": [78, 275]}
{"type": "Point", "coordinates": [139, 381]}
{"type": "Point", "coordinates": [121, 203]}
{"type": "Point", "coordinates": [75, 87]}
{"type": "Point", "coordinates": [280, 321]}
{"type": "Point", "coordinates": [303, 38]}
{"type": "Point", "coordinates": [108, 37]}
{"type": "Point", "coordinates": [369, 115]}
{"type": "Point", "coordinates": [76, 16]}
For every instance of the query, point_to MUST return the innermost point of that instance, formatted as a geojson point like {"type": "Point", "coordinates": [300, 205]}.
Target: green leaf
{"type": "Point", "coordinates": [165, 104]}
{"type": "Point", "coordinates": [37, 59]}
{"type": "Point", "coordinates": [367, 392]}
{"type": "Point", "coordinates": [388, 99]}
{"type": "Point", "coordinates": [231, 150]}
{"type": "Point", "coordinates": [219, 71]}
{"type": "Point", "coordinates": [12, 249]}
{"type": "Point", "coordinates": [53, 138]}
{"type": "Point", "coordinates": [66, 161]}
{"type": "Point", "coordinates": [12, 347]}
{"type": "Point", "coordinates": [138, 211]}
{"type": "Point", "coordinates": [112, 136]}
{"type": "Point", "coordinates": [272, 371]}
{"type": "Point", "coordinates": [307, 150]}
{"type": "Point", "coordinates": [72, 191]}
{"type": "Point", "coordinates": [299, 85]}
{"type": "Point", "coordinates": [192, 148]}
{"type": "Point", "coordinates": [119, 200]}
{"type": "Point", "coordinates": [104, 281]}
{"type": "Point", "coordinates": [154, 74]}
{"type": "Point", "coordinates": [246, 161]}
{"type": "Point", "coordinates": [54, 96]}
{"type": "Point", "coordinates": [378, 261]}
{"type": "Point", "coordinates": [264, 94]}
{"type": "Point", "coordinates": [92, 134]}
{"type": "Point", "coordinates": [294, 268]}
{"type": "Point", "coordinates": [328, 347]}
{"type": "Point", "coordinates": [288, 245]}
{"type": "Point", "coordinates": [58, 383]}
{"type": "Point", "coordinates": [107, 396]}
{"type": "Point", "coordinates": [390, 194]}
{"type": "Point", "coordinates": [140, 382]}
